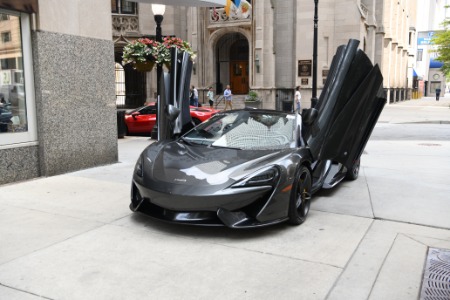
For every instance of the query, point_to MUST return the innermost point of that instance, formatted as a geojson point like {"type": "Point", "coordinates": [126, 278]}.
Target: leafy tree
{"type": "Point", "coordinates": [441, 39]}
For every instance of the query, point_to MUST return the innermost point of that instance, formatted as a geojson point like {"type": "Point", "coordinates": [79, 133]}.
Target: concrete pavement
{"type": "Point", "coordinates": [73, 237]}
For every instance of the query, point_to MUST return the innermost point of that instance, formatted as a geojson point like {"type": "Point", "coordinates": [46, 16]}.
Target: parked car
{"type": "Point", "coordinates": [5, 116]}
{"type": "Point", "coordinates": [242, 168]}
{"type": "Point", "coordinates": [254, 167]}
{"type": "Point", "coordinates": [142, 120]}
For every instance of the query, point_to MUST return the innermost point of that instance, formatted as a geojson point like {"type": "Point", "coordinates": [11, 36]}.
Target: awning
{"type": "Point", "coordinates": [416, 76]}
{"type": "Point", "coordinates": [434, 64]}
{"type": "Point", "coordinates": [28, 6]}
{"type": "Point", "coordinates": [204, 3]}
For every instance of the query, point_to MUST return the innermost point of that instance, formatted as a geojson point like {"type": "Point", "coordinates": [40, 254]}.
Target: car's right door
{"type": "Point", "coordinates": [348, 108]}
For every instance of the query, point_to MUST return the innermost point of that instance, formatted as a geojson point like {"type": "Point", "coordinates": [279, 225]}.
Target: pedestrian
{"type": "Point", "coordinates": [297, 99]}
{"type": "Point", "coordinates": [210, 96]}
{"type": "Point", "coordinates": [228, 97]}
{"type": "Point", "coordinates": [193, 99]}
{"type": "Point", "coordinates": [438, 93]}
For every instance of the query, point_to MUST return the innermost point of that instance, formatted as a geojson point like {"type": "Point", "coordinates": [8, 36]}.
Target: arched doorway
{"type": "Point", "coordinates": [130, 85]}
{"type": "Point", "coordinates": [232, 63]}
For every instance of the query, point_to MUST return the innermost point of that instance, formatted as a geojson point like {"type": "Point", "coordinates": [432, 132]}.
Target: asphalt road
{"type": "Point", "coordinates": [411, 131]}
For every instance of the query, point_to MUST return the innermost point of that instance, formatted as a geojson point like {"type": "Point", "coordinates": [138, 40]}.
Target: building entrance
{"type": "Point", "coordinates": [239, 77]}
{"type": "Point", "coordinates": [232, 61]}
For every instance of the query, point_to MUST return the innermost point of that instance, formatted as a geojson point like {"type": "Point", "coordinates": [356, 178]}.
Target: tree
{"type": "Point", "coordinates": [441, 39]}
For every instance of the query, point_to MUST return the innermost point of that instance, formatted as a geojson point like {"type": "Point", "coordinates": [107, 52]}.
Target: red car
{"type": "Point", "coordinates": [142, 119]}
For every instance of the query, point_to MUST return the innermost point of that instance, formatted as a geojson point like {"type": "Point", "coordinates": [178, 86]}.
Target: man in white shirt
{"type": "Point", "coordinates": [297, 99]}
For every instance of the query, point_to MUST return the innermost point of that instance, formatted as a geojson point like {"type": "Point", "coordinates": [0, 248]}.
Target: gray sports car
{"type": "Point", "coordinates": [249, 168]}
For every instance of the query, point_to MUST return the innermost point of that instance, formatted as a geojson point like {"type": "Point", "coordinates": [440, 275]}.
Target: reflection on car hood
{"type": "Point", "coordinates": [200, 165]}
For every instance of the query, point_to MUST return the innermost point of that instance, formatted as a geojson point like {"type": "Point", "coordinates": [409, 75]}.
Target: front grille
{"type": "Point", "coordinates": [436, 280]}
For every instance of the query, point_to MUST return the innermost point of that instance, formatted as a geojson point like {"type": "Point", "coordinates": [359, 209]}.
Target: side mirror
{"type": "Point", "coordinates": [309, 115]}
{"type": "Point", "coordinates": [172, 112]}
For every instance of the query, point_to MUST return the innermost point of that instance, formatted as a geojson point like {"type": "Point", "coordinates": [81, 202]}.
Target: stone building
{"type": "Point", "coordinates": [269, 48]}
{"type": "Point", "coordinates": [58, 110]}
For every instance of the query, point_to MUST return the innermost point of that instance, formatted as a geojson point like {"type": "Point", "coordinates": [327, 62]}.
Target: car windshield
{"type": "Point", "coordinates": [249, 130]}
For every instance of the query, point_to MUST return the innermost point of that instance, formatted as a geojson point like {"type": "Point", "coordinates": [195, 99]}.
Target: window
{"type": "Point", "coordinates": [8, 63]}
{"type": "Point", "coordinates": [17, 112]}
{"type": "Point", "coordinates": [6, 36]}
{"type": "Point", "coordinates": [419, 54]}
{"type": "Point", "coordinates": [123, 7]}
{"type": "Point", "coordinates": [4, 17]}
{"type": "Point", "coordinates": [149, 110]}
{"type": "Point", "coordinates": [120, 85]}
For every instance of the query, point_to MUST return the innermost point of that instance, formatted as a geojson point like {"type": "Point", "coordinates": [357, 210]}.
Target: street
{"type": "Point", "coordinates": [73, 236]}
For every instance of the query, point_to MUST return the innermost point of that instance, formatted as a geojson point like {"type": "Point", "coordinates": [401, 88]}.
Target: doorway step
{"type": "Point", "coordinates": [238, 102]}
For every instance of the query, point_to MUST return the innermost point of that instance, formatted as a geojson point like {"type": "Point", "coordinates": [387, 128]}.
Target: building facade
{"type": "Point", "coordinates": [268, 48]}
{"type": "Point", "coordinates": [62, 77]}
{"type": "Point", "coordinates": [428, 74]}
{"type": "Point", "coordinates": [57, 106]}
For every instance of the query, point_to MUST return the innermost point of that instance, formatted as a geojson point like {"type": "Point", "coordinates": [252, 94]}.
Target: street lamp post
{"type": "Point", "coordinates": [314, 71]}
{"type": "Point", "coordinates": [158, 12]}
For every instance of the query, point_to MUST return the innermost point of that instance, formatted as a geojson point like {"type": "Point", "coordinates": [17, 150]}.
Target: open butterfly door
{"type": "Point", "coordinates": [348, 108]}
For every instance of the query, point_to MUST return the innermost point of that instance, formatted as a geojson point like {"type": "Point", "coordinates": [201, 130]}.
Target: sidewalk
{"type": "Point", "coordinates": [424, 110]}
{"type": "Point", "coordinates": [73, 236]}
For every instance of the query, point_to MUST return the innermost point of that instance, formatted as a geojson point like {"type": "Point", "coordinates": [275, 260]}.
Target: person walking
{"type": "Point", "coordinates": [228, 97]}
{"type": "Point", "coordinates": [210, 96]}
{"type": "Point", "coordinates": [297, 100]}
{"type": "Point", "coordinates": [194, 97]}
{"type": "Point", "coordinates": [438, 93]}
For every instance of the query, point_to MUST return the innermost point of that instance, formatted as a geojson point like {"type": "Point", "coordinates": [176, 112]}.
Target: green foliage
{"type": "Point", "coordinates": [147, 50]}
{"type": "Point", "coordinates": [441, 40]}
{"type": "Point", "coordinates": [252, 96]}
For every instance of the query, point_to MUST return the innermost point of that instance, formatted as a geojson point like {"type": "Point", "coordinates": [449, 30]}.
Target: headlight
{"type": "Point", "coordinates": [268, 176]}
{"type": "Point", "coordinates": [139, 168]}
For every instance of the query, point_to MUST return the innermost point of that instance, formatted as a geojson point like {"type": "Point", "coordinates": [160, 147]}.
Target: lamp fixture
{"type": "Point", "coordinates": [158, 9]}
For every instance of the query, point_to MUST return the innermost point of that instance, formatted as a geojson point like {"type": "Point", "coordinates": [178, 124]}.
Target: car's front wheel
{"type": "Point", "coordinates": [300, 197]}
{"type": "Point", "coordinates": [353, 172]}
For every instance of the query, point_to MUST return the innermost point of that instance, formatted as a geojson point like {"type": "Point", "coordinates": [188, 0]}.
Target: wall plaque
{"type": "Point", "coordinates": [304, 68]}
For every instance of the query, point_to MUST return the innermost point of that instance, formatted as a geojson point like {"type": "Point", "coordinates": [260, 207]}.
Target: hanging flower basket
{"type": "Point", "coordinates": [167, 65]}
{"type": "Point", "coordinates": [144, 53]}
{"type": "Point", "coordinates": [145, 66]}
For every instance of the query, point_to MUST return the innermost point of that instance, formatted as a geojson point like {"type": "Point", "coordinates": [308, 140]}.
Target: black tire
{"type": "Point", "coordinates": [300, 197]}
{"type": "Point", "coordinates": [353, 172]}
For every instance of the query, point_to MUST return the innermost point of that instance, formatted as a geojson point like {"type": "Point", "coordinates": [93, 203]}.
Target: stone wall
{"type": "Point", "coordinates": [19, 163]}
{"type": "Point", "coordinates": [75, 102]}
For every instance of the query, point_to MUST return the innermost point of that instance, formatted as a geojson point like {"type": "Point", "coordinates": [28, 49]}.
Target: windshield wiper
{"type": "Point", "coordinates": [195, 141]}
{"type": "Point", "coordinates": [227, 147]}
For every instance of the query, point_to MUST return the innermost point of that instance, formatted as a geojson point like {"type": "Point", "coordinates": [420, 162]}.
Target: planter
{"type": "Point", "coordinates": [253, 104]}
{"type": "Point", "coordinates": [144, 66]}
{"type": "Point", "coordinates": [167, 65]}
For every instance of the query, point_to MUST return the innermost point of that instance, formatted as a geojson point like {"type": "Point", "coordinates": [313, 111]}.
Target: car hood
{"type": "Point", "coordinates": [195, 165]}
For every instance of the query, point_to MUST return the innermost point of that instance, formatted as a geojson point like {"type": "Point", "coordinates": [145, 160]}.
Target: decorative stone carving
{"type": "Point", "coordinates": [218, 16]}
{"type": "Point", "coordinates": [363, 10]}
{"type": "Point", "coordinates": [125, 25]}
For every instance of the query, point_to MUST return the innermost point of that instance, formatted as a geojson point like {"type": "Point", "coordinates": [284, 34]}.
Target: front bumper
{"type": "Point", "coordinates": [234, 209]}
